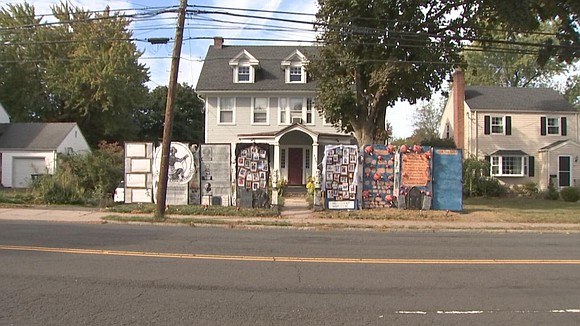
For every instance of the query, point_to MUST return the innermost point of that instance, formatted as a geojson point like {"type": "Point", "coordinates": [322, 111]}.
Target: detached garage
{"type": "Point", "coordinates": [28, 149]}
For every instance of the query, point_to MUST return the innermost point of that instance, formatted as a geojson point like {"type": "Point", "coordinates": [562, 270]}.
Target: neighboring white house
{"type": "Point", "coordinates": [263, 94]}
{"type": "Point", "coordinates": [28, 149]}
{"type": "Point", "coordinates": [527, 134]}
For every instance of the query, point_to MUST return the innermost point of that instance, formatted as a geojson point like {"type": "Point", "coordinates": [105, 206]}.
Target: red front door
{"type": "Point", "coordinates": [295, 162]}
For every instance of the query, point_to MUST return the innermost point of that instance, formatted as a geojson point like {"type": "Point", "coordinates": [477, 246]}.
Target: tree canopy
{"type": "Point", "coordinates": [376, 53]}
{"type": "Point", "coordinates": [83, 68]}
{"type": "Point", "coordinates": [188, 122]}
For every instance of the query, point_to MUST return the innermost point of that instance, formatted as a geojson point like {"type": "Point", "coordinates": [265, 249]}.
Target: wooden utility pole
{"type": "Point", "coordinates": [168, 126]}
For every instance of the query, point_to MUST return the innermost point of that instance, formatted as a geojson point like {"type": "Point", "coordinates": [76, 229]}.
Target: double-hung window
{"type": "Point", "coordinates": [226, 110]}
{"type": "Point", "coordinates": [553, 126]}
{"type": "Point", "coordinates": [260, 110]}
{"type": "Point", "coordinates": [243, 74]}
{"type": "Point", "coordinates": [497, 125]}
{"type": "Point", "coordinates": [295, 74]}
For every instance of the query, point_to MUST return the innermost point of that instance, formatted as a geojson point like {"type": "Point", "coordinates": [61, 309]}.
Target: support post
{"type": "Point", "coordinates": [168, 125]}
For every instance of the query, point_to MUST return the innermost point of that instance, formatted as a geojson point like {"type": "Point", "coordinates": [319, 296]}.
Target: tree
{"type": "Point", "coordinates": [378, 52]}
{"type": "Point", "coordinates": [81, 68]}
{"type": "Point", "coordinates": [511, 64]}
{"type": "Point", "coordinates": [188, 122]}
{"type": "Point", "coordinates": [572, 90]}
{"type": "Point", "coordinates": [426, 121]}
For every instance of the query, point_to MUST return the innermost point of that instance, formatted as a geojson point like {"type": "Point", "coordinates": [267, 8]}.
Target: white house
{"type": "Point", "coordinates": [263, 94]}
{"type": "Point", "coordinates": [27, 149]}
{"type": "Point", "coordinates": [527, 134]}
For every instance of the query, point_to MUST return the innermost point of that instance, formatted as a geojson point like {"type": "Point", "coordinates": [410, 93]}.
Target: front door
{"type": "Point", "coordinates": [295, 162]}
{"type": "Point", "coordinates": [564, 171]}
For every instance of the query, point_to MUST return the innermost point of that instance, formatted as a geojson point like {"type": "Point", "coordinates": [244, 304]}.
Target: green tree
{"type": "Point", "coordinates": [426, 121]}
{"type": "Point", "coordinates": [83, 68]}
{"type": "Point", "coordinates": [188, 121]}
{"type": "Point", "coordinates": [572, 90]}
{"type": "Point", "coordinates": [378, 52]}
{"type": "Point", "coordinates": [512, 64]}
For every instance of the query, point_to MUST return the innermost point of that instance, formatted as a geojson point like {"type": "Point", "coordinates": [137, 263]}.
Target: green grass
{"type": "Point", "coordinates": [517, 210]}
{"type": "Point", "coordinates": [195, 210]}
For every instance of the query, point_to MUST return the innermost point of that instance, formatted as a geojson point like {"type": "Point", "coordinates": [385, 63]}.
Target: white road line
{"type": "Point", "coordinates": [476, 312]}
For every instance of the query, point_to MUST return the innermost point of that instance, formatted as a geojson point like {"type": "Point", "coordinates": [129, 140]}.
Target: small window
{"type": "Point", "coordinates": [295, 74]}
{"type": "Point", "coordinates": [309, 111]}
{"type": "Point", "coordinates": [283, 158]}
{"type": "Point", "coordinates": [226, 110]}
{"type": "Point", "coordinates": [553, 126]}
{"type": "Point", "coordinates": [307, 159]}
{"type": "Point", "coordinates": [260, 114]}
{"type": "Point", "coordinates": [282, 113]}
{"type": "Point", "coordinates": [497, 125]}
{"type": "Point", "coordinates": [243, 74]}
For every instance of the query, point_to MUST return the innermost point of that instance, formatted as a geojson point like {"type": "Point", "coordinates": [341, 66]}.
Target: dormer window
{"type": "Point", "coordinates": [244, 74]}
{"type": "Point", "coordinates": [244, 67]}
{"type": "Point", "coordinates": [295, 74]}
{"type": "Point", "coordinates": [293, 66]}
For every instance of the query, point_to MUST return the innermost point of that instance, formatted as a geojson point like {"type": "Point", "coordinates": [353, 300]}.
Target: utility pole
{"type": "Point", "coordinates": [168, 125]}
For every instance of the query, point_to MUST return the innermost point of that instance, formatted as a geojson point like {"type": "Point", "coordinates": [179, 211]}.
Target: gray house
{"type": "Point", "coordinates": [263, 94]}
{"type": "Point", "coordinates": [27, 149]}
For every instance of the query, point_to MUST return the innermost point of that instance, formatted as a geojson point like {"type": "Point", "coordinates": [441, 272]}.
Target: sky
{"type": "Point", "coordinates": [203, 25]}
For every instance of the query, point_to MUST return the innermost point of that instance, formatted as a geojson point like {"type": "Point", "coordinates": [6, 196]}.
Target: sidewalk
{"type": "Point", "coordinates": [294, 214]}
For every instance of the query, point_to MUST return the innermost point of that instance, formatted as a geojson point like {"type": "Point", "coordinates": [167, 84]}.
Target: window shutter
{"type": "Point", "coordinates": [543, 126]}
{"type": "Point", "coordinates": [563, 126]}
{"type": "Point", "coordinates": [488, 160]}
{"type": "Point", "coordinates": [508, 125]}
{"type": "Point", "coordinates": [486, 124]}
{"type": "Point", "coordinates": [531, 166]}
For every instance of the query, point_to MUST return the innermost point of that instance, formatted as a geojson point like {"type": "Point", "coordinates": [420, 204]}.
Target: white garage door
{"type": "Point", "coordinates": [23, 168]}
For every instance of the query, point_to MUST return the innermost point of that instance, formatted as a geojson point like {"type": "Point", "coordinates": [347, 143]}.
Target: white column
{"type": "Point", "coordinates": [276, 157]}
{"type": "Point", "coordinates": [314, 165]}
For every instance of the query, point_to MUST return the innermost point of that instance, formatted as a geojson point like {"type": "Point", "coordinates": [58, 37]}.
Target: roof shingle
{"type": "Point", "coordinates": [217, 75]}
{"type": "Point", "coordinates": [496, 98]}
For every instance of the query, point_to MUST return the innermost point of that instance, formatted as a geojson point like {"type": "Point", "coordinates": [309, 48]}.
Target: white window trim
{"type": "Point", "coordinates": [267, 112]}
{"type": "Point", "coordinates": [237, 75]}
{"type": "Point", "coordinates": [302, 73]}
{"type": "Point", "coordinates": [503, 125]}
{"type": "Point", "coordinates": [219, 103]}
{"type": "Point", "coordinates": [313, 111]}
{"type": "Point", "coordinates": [524, 162]}
{"type": "Point", "coordinates": [303, 114]}
{"type": "Point", "coordinates": [557, 126]}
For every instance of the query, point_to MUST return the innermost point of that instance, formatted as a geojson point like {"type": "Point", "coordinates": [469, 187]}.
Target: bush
{"type": "Point", "coordinates": [570, 194]}
{"type": "Point", "coordinates": [82, 178]}
{"type": "Point", "coordinates": [528, 189]}
{"type": "Point", "coordinates": [552, 193]}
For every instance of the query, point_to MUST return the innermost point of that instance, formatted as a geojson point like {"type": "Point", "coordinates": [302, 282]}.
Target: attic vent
{"type": "Point", "coordinates": [296, 120]}
{"type": "Point", "coordinates": [68, 150]}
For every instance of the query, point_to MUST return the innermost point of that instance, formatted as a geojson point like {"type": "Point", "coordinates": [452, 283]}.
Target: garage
{"type": "Point", "coordinates": [24, 167]}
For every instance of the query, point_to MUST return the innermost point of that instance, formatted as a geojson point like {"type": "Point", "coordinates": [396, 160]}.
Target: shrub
{"type": "Point", "coordinates": [82, 178]}
{"type": "Point", "coordinates": [570, 194]}
{"type": "Point", "coordinates": [552, 193]}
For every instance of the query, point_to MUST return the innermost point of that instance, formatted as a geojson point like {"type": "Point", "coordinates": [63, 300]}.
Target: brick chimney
{"type": "Point", "coordinates": [458, 107]}
{"type": "Point", "coordinates": [218, 42]}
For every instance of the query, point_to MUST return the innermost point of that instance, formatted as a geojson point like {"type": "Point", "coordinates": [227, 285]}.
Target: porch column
{"type": "Point", "coordinates": [275, 174]}
{"type": "Point", "coordinates": [314, 158]}
{"type": "Point", "coordinates": [276, 166]}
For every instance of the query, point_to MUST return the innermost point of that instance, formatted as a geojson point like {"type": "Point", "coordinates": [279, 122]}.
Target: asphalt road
{"type": "Point", "coordinates": [78, 274]}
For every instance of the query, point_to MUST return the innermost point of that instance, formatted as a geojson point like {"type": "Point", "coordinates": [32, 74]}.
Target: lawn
{"type": "Point", "coordinates": [513, 209]}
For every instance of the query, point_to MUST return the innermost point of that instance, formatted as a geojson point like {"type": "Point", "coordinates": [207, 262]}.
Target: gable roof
{"type": "Point", "coordinates": [558, 144]}
{"type": "Point", "coordinates": [34, 136]}
{"type": "Point", "coordinates": [496, 98]}
{"type": "Point", "coordinates": [216, 73]}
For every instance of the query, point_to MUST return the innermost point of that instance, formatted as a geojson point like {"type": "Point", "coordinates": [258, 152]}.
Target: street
{"type": "Point", "coordinates": [115, 274]}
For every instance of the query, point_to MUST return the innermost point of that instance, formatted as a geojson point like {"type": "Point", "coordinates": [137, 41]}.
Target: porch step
{"type": "Point", "coordinates": [295, 191]}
